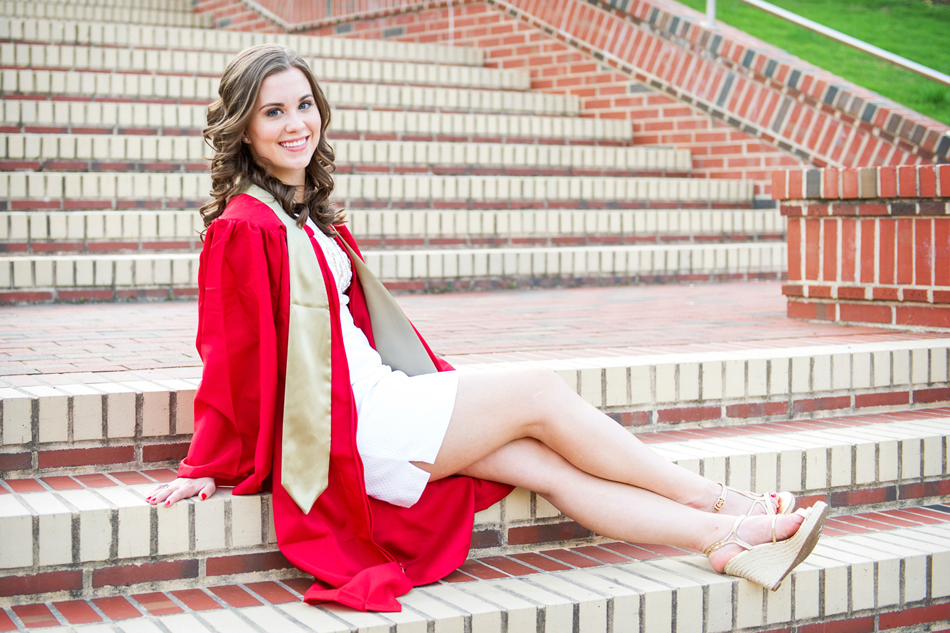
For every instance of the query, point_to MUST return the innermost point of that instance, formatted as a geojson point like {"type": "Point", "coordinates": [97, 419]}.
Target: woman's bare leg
{"type": "Point", "coordinates": [495, 408]}
{"type": "Point", "coordinates": [618, 510]}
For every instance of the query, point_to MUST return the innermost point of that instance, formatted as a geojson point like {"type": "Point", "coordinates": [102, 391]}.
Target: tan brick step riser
{"type": "Point", "coordinates": [37, 114]}
{"type": "Point", "coordinates": [203, 64]}
{"type": "Point", "coordinates": [113, 152]}
{"type": "Point", "coordinates": [39, 31]}
{"type": "Point", "coordinates": [12, 8]}
{"type": "Point", "coordinates": [645, 394]}
{"type": "Point", "coordinates": [88, 231]}
{"type": "Point", "coordinates": [199, 91]}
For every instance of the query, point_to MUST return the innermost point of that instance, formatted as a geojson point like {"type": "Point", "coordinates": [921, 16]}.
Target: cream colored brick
{"type": "Point", "coordinates": [666, 382]}
{"type": "Point", "coordinates": [134, 522]}
{"type": "Point", "coordinates": [910, 459]}
{"type": "Point", "coordinates": [807, 582]}
{"type": "Point", "coordinates": [888, 461]}
{"type": "Point", "coordinates": [55, 528]}
{"type": "Point", "coordinates": [16, 526]}
{"type": "Point", "coordinates": [518, 505]}
{"type": "Point", "coordinates": [120, 409]}
{"type": "Point", "coordinates": [591, 385]}
{"type": "Point", "coordinates": [95, 524]}
{"type": "Point", "coordinates": [16, 409]}
{"type": "Point", "coordinates": [778, 376]}
{"type": "Point", "coordinates": [616, 386]}
{"type": "Point", "coordinates": [173, 530]}
{"type": "Point", "coordinates": [712, 380]}
{"type": "Point", "coordinates": [801, 374]}
{"type": "Point", "coordinates": [882, 369]}
{"type": "Point", "coordinates": [492, 514]}
{"type": "Point", "coordinates": [246, 520]}
{"type": "Point", "coordinates": [210, 523]}
{"type": "Point", "coordinates": [155, 407]}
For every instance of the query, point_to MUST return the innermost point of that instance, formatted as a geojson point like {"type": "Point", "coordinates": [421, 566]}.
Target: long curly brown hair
{"type": "Point", "coordinates": [233, 165]}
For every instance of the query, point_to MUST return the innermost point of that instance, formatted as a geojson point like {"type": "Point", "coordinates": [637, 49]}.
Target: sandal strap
{"type": "Point", "coordinates": [721, 501]}
{"type": "Point", "coordinates": [733, 538]}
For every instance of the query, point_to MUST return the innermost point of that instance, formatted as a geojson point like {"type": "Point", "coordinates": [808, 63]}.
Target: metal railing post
{"type": "Point", "coordinates": [711, 13]}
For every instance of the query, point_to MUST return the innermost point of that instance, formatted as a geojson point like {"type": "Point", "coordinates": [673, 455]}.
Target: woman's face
{"type": "Point", "coordinates": [285, 125]}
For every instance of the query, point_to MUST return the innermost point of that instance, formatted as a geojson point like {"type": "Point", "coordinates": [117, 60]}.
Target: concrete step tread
{"type": "Point", "coordinates": [158, 37]}
{"type": "Point", "coordinates": [855, 569]}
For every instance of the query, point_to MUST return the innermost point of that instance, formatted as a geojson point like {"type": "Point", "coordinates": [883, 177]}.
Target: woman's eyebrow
{"type": "Point", "coordinates": [280, 105]}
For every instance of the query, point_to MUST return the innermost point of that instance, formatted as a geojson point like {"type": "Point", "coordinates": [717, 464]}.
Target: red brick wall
{"type": "Point", "coordinates": [233, 15]}
{"type": "Point", "coordinates": [868, 245]}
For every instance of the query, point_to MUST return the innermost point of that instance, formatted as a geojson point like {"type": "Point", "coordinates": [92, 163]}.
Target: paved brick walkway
{"type": "Point", "coordinates": [46, 340]}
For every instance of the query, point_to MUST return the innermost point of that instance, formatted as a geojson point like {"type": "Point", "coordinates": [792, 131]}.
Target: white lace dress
{"type": "Point", "coordinates": [400, 419]}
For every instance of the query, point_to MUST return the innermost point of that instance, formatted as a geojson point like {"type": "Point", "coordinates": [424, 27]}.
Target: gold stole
{"type": "Point", "coordinates": [305, 443]}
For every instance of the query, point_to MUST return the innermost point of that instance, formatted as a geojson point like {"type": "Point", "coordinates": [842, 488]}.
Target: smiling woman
{"type": "Point", "coordinates": [316, 386]}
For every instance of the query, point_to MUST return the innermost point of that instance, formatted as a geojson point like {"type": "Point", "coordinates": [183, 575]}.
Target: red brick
{"type": "Point", "coordinates": [801, 310]}
{"type": "Point", "coordinates": [911, 617]}
{"type": "Point", "coordinates": [887, 182]}
{"type": "Point", "coordinates": [95, 480]}
{"type": "Point", "coordinates": [235, 596]}
{"type": "Point", "coordinates": [264, 561]}
{"type": "Point", "coordinates": [62, 483]}
{"type": "Point", "coordinates": [688, 414]}
{"type": "Point", "coordinates": [937, 394]}
{"type": "Point", "coordinates": [482, 539]}
{"type": "Point", "coordinates": [887, 248]}
{"type": "Point", "coordinates": [571, 558]}
{"type": "Point", "coordinates": [77, 612]}
{"type": "Point", "coordinates": [117, 608]}
{"type": "Point", "coordinates": [794, 249]}
{"type": "Point", "coordinates": [882, 399]}
{"type": "Point", "coordinates": [924, 316]}
{"type": "Point", "coordinates": [849, 183]}
{"type": "Point", "coordinates": [850, 625]}
{"type": "Point", "coordinates": [778, 185]}
{"type": "Point", "coordinates": [872, 208]}
{"type": "Point", "coordinates": [530, 534]}
{"type": "Point", "coordinates": [927, 181]}
{"type": "Point", "coordinates": [943, 176]}
{"type": "Point", "coordinates": [122, 575]}
{"type": "Point", "coordinates": [812, 248]}
{"type": "Point", "coordinates": [507, 565]}
{"type": "Point", "coordinates": [829, 183]}
{"type": "Point", "coordinates": [605, 556]}
{"type": "Point", "coordinates": [15, 461]}
{"type": "Point", "coordinates": [164, 452]}
{"type": "Point", "coordinates": [6, 623]}
{"type": "Point", "coordinates": [25, 485]}
{"type": "Point", "coordinates": [157, 603]}
{"type": "Point", "coordinates": [846, 498]}
{"type": "Point", "coordinates": [848, 255]}
{"type": "Point", "coordinates": [85, 457]}
{"type": "Point", "coordinates": [35, 616]}
{"type": "Point", "coordinates": [864, 313]}
{"type": "Point", "coordinates": [905, 252]}
{"type": "Point", "coordinates": [271, 592]}
{"type": "Point", "coordinates": [198, 600]}
{"type": "Point", "coordinates": [830, 251]}
{"type": "Point", "coordinates": [756, 410]}
{"type": "Point", "coordinates": [541, 562]}
{"type": "Point", "coordinates": [807, 405]}
{"type": "Point", "coordinates": [907, 181]}
{"type": "Point", "coordinates": [41, 583]}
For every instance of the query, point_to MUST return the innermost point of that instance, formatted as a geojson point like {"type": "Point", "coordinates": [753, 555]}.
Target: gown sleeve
{"type": "Point", "coordinates": [242, 269]}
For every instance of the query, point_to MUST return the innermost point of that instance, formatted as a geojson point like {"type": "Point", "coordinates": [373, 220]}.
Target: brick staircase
{"type": "Point", "coordinates": [456, 177]}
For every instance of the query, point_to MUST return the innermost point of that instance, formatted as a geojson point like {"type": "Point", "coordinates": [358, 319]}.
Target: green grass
{"type": "Point", "coordinates": [916, 29]}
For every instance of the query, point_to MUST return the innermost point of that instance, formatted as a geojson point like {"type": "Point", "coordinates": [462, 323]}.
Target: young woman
{"type": "Point", "coordinates": [315, 386]}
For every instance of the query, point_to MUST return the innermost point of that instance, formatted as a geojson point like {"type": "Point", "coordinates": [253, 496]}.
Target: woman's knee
{"type": "Point", "coordinates": [549, 394]}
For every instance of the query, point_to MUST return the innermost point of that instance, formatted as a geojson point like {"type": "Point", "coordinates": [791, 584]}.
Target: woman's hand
{"type": "Point", "coordinates": [182, 488]}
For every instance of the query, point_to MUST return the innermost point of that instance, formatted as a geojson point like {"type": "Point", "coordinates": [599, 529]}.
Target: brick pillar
{"type": "Point", "coordinates": [869, 245]}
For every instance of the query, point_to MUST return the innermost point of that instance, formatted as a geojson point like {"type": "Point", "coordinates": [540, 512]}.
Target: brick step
{"type": "Point", "coordinates": [39, 31]}
{"type": "Point", "coordinates": [112, 190]}
{"type": "Point", "coordinates": [852, 583]}
{"type": "Point", "coordinates": [207, 67]}
{"type": "Point", "coordinates": [189, 90]}
{"type": "Point", "coordinates": [98, 527]}
{"type": "Point", "coordinates": [41, 115]}
{"type": "Point", "coordinates": [151, 5]}
{"type": "Point", "coordinates": [59, 11]}
{"type": "Point", "coordinates": [110, 277]}
{"type": "Point", "coordinates": [136, 410]}
{"type": "Point", "coordinates": [97, 152]}
{"type": "Point", "coordinates": [118, 231]}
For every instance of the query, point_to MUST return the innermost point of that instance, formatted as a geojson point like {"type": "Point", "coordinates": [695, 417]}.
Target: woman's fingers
{"type": "Point", "coordinates": [181, 488]}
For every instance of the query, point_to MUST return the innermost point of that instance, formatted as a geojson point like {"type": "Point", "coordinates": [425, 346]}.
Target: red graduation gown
{"type": "Point", "coordinates": [363, 552]}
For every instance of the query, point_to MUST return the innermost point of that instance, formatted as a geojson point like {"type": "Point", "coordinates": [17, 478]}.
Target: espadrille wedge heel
{"type": "Point", "coordinates": [786, 501]}
{"type": "Point", "coordinates": [768, 564]}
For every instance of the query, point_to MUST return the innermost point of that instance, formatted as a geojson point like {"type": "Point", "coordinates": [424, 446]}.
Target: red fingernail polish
{"type": "Point", "coordinates": [168, 503]}
{"type": "Point", "coordinates": [202, 496]}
